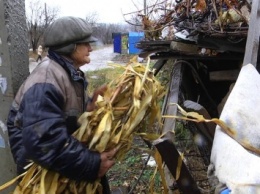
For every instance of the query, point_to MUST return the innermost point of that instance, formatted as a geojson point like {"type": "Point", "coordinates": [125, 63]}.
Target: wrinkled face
{"type": "Point", "coordinates": [80, 55]}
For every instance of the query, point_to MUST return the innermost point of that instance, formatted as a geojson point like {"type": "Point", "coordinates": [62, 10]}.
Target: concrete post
{"type": "Point", "coordinates": [14, 69]}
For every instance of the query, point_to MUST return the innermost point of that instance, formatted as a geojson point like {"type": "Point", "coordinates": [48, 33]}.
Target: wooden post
{"type": "Point", "coordinates": [252, 44]}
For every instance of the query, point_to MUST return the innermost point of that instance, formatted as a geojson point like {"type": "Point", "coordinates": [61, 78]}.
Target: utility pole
{"type": "Point", "coordinates": [46, 15]}
{"type": "Point", "coordinates": [145, 7]}
{"type": "Point", "coordinates": [14, 69]}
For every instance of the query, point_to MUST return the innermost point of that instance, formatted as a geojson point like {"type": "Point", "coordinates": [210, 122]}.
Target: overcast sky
{"type": "Point", "coordinates": [108, 11]}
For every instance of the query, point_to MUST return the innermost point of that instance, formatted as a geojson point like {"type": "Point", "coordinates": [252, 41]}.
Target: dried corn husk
{"type": "Point", "coordinates": [129, 101]}
{"type": "Point", "coordinates": [195, 117]}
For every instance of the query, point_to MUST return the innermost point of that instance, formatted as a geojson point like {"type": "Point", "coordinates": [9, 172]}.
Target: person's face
{"type": "Point", "coordinates": [81, 55]}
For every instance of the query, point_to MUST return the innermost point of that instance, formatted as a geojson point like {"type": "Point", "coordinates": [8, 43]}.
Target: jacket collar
{"type": "Point", "coordinates": [75, 74]}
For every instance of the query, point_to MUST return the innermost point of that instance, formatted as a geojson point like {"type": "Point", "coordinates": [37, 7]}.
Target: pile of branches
{"type": "Point", "coordinates": [217, 18]}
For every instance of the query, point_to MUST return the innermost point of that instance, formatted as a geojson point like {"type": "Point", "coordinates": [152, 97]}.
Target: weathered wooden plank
{"type": "Point", "coordinates": [228, 75]}
{"type": "Point", "coordinates": [165, 145]}
{"type": "Point", "coordinates": [252, 44]}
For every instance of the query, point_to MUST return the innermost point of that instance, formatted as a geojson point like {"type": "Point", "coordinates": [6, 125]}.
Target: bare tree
{"type": "Point", "coordinates": [92, 18]}
{"type": "Point", "coordinates": [153, 17]}
{"type": "Point", "coordinates": [104, 31]}
{"type": "Point", "coordinates": [38, 16]}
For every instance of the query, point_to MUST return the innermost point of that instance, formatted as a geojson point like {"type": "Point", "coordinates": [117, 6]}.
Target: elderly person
{"type": "Point", "coordinates": [45, 110]}
{"type": "Point", "coordinates": [39, 52]}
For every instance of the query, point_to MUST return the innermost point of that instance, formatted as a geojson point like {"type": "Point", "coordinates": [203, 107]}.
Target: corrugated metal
{"type": "Point", "coordinates": [134, 37]}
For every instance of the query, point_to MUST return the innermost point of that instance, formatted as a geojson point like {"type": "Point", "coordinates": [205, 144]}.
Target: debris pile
{"type": "Point", "coordinates": [213, 26]}
{"type": "Point", "coordinates": [217, 18]}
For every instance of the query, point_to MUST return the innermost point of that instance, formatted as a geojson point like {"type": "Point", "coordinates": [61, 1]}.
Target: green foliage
{"type": "Point", "coordinates": [128, 171]}
{"type": "Point", "coordinates": [165, 73]}
{"type": "Point", "coordinates": [183, 136]}
{"type": "Point", "coordinates": [180, 131]}
{"type": "Point", "coordinates": [100, 77]}
{"type": "Point", "coordinates": [131, 160]}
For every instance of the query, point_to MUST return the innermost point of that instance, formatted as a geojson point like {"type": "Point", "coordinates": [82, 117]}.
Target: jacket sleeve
{"type": "Point", "coordinates": [46, 139]}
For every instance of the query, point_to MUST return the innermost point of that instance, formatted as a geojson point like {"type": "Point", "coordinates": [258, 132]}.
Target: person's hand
{"type": "Point", "coordinates": [100, 91]}
{"type": "Point", "coordinates": [107, 161]}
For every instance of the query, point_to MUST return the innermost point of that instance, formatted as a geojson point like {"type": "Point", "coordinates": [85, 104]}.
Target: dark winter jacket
{"type": "Point", "coordinates": [43, 116]}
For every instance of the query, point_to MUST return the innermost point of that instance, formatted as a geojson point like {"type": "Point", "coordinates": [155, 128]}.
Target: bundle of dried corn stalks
{"type": "Point", "coordinates": [131, 100]}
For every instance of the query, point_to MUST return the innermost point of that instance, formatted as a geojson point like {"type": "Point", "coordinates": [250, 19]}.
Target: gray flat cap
{"type": "Point", "coordinates": [67, 31]}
